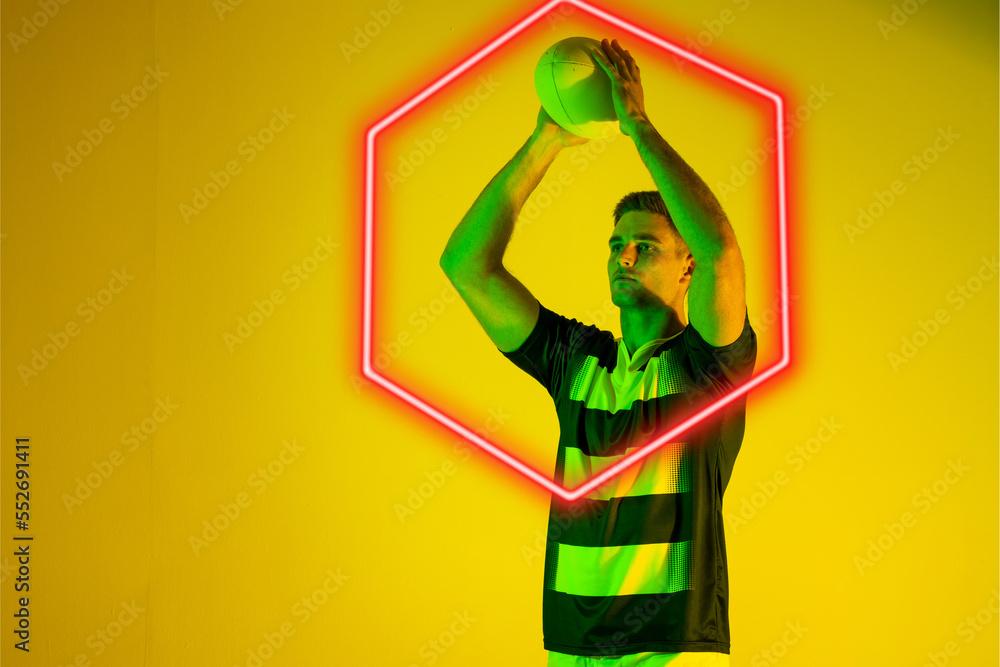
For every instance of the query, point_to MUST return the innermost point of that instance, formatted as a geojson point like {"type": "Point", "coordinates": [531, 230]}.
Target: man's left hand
{"type": "Point", "coordinates": [626, 88]}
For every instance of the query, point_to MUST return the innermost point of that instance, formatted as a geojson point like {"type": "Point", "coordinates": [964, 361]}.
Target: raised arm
{"type": "Point", "coordinates": [473, 256]}
{"type": "Point", "coordinates": [717, 294]}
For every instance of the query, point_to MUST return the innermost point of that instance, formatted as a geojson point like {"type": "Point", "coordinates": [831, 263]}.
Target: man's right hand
{"type": "Point", "coordinates": [548, 129]}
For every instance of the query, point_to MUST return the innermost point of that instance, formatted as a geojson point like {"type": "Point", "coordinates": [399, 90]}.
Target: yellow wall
{"type": "Point", "coordinates": [116, 573]}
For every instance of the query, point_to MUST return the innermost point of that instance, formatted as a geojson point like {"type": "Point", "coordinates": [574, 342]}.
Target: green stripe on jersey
{"type": "Point", "coordinates": [617, 390]}
{"type": "Point", "coordinates": [631, 569]}
{"type": "Point", "coordinates": [664, 471]}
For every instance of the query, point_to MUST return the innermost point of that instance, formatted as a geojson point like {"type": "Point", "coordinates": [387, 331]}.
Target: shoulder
{"type": "Point", "coordinates": [555, 334]}
{"type": "Point", "coordinates": [735, 356]}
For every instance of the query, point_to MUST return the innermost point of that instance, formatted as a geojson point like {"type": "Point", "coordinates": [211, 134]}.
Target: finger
{"type": "Point", "coordinates": [614, 56]}
{"type": "Point", "coordinates": [605, 63]}
{"type": "Point", "coordinates": [627, 60]}
{"type": "Point", "coordinates": [633, 66]}
{"type": "Point", "coordinates": [628, 63]}
{"type": "Point", "coordinates": [619, 49]}
{"type": "Point", "coordinates": [621, 65]}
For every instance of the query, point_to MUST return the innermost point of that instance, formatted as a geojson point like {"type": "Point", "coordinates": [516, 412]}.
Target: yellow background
{"type": "Point", "coordinates": [115, 576]}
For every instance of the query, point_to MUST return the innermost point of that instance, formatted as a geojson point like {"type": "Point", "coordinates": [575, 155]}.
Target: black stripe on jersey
{"type": "Point", "coordinates": [652, 519]}
{"type": "Point", "coordinates": [633, 623]}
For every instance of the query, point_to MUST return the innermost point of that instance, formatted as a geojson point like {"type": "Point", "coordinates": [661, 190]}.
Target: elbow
{"type": "Point", "coordinates": [466, 268]}
{"type": "Point", "coordinates": [445, 263]}
{"type": "Point", "coordinates": [448, 261]}
{"type": "Point", "coordinates": [452, 267]}
{"type": "Point", "coordinates": [454, 270]}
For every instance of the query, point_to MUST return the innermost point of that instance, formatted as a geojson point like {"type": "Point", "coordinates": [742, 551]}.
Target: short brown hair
{"type": "Point", "coordinates": [650, 201]}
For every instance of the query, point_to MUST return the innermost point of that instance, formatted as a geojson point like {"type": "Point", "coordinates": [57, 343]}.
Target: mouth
{"type": "Point", "coordinates": [624, 278]}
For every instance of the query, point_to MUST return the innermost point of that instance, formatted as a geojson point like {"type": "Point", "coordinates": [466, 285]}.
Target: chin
{"type": "Point", "coordinates": [623, 301]}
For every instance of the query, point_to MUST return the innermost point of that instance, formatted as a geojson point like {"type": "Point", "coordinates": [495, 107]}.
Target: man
{"type": "Point", "coordinates": [635, 572]}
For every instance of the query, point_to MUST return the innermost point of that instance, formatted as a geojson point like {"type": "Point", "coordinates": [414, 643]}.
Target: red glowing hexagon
{"type": "Point", "coordinates": [782, 207]}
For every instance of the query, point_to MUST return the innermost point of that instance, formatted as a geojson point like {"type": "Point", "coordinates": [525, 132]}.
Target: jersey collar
{"type": "Point", "coordinates": [642, 355]}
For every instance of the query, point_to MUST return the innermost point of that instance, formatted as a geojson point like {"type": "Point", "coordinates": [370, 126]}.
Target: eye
{"type": "Point", "coordinates": [646, 246]}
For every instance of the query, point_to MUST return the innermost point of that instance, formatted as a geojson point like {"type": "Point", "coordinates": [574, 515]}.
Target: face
{"type": "Point", "coordinates": [643, 247]}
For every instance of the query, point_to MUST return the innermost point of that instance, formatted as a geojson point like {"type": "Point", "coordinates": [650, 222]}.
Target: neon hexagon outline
{"type": "Point", "coordinates": [437, 415]}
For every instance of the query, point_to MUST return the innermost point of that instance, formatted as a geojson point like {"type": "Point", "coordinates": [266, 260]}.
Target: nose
{"type": "Point", "coordinates": [625, 257]}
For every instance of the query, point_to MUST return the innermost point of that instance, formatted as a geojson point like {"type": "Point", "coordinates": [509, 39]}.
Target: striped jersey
{"type": "Point", "coordinates": [639, 563]}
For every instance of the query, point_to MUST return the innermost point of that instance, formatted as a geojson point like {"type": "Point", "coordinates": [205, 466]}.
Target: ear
{"type": "Point", "coordinates": [688, 269]}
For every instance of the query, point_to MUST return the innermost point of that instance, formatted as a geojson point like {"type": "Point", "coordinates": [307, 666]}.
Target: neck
{"type": "Point", "coordinates": [641, 325]}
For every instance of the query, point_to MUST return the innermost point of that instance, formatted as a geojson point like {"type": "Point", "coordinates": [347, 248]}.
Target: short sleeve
{"type": "Point", "coordinates": [720, 369]}
{"type": "Point", "coordinates": [545, 353]}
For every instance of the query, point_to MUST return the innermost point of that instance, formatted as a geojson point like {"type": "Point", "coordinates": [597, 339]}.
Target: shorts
{"type": "Point", "coordinates": [687, 659]}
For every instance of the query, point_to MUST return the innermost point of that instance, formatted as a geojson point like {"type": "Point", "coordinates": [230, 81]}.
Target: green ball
{"type": "Point", "coordinates": [574, 89]}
